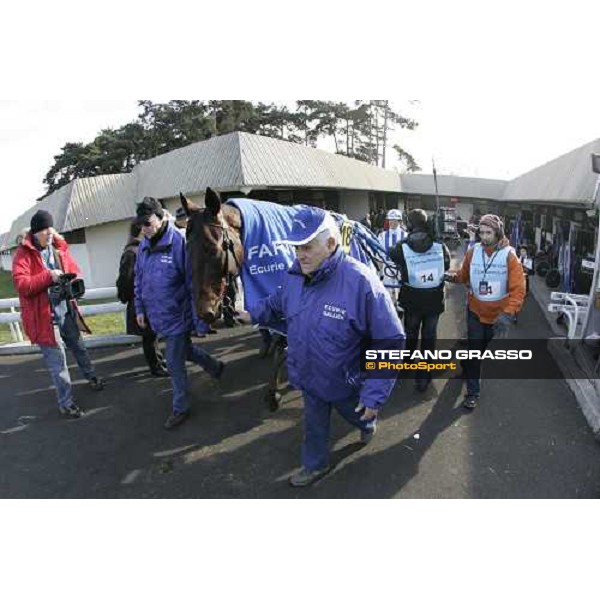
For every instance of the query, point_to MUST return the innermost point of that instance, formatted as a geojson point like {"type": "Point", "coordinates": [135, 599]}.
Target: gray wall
{"type": "Point", "coordinates": [354, 203]}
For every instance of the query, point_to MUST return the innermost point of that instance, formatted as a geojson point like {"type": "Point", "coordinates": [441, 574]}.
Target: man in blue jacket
{"type": "Point", "coordinates": [163, 296]}
{"type": "Point", "coordinates": [331, 303]}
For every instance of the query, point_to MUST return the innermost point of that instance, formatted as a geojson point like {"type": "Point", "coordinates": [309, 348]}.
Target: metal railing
{"type": "Point", "coordinates": [13, 320]}
{"type": "Point", "coordinates": [573, 306]}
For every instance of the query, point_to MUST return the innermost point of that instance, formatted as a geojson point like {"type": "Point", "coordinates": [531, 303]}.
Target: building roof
{"type": "Point", "coordinates": [565, 180]}
{"type": "Point", "coordinates": [227, 162]}
{"type": "Point", "coordinates": [56, 203]}
{"type": "Point", "coordinates": [83, 203]}
{"type": "Point", "coordinates": [101, 199]}
{"type": "Point", "coordinates": [215, 162]}
{"type": "Point", "coordinates": [568, 179]}
{"type": "Point", "coordinates": [238, 160]}
{"type": "Point", "coordinates": [276, 163]}
{"type": "Point", "coordinates": [451, 185]}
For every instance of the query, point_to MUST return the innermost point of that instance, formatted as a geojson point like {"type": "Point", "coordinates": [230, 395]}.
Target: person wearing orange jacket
{"type": "Point", "coordinates": [494, 276]}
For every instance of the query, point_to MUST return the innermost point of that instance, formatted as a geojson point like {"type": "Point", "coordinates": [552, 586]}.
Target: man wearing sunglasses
{"type": "Point", "coordinates": [163, 300]}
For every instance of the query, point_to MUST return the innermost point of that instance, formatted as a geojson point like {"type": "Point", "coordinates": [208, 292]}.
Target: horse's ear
{"type": "Point", "coordinates": [212, 201]}
{"type": "Point", "coordinates": [188, 205]}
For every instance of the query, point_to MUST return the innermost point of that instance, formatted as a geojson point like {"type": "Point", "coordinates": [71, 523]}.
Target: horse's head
{"type": "Point", "coordinates": [215, 250]}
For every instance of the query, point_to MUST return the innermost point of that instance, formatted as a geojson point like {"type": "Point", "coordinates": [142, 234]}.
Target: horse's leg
{"type": "Point", "coordinates": [273, 395]}
{"type": "Point", "coordinates": [281, 382]}
{"type": "Point", "coordinates": [265, 344]}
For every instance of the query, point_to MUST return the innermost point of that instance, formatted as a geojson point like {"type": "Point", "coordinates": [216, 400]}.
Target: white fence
{"type": "Point", "coordinates": [20, 346]}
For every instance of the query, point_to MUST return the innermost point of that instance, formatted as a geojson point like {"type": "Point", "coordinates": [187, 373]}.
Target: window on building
{"type": "Point", "coordinates": [77, 236]}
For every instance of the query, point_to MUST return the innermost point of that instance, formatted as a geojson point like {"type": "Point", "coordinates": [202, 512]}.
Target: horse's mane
{"type": "Point", "coordinates": [232, 216]}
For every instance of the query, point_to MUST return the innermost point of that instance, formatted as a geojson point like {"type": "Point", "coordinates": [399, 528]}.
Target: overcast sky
{"type": "Point", "coordinates": [496, 137]}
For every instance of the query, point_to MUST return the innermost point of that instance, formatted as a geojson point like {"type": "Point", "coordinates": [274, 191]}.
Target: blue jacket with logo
{"type": "Point", "coordinates": [328, 316]}
{"type": "Point", "coordinates": [163, 283]}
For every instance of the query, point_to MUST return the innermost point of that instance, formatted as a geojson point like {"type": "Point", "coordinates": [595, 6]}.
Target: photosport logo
{"type": "Point", "coordinates": [500, 359]}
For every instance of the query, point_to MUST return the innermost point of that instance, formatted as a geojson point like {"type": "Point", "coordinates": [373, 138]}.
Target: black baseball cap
{"type": "Point", "coordinates": [147, 207]}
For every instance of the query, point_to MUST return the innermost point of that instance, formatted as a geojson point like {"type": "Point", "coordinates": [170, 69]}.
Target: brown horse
{"type": "Point", "coordinates": [214, 242]}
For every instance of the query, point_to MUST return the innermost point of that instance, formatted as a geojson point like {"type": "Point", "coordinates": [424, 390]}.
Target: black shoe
{"type": "Point", "coordinates": [159, 371]}
{"type": "Point", "coordinates": [470, 402]}
{"type": "Point", "coordinates": [97, 383]}
{"type": "Point", "coordinates": [72, 411]}
{"type": "Point", "coordinates": [217, 374]}
{"type": "Point", "coordinates": [212, 331]}
{"type": "Point", "coordinates": [176, 419]}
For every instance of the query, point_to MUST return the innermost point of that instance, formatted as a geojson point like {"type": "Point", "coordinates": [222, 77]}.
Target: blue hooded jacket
{"type": "Point", "coordinates": [163, 284]}
{"type": "Point", "coordinates": [328, 316]}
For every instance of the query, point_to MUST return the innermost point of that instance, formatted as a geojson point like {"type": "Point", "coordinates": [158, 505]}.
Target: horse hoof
{"type": "Point", "coordinates": [273, 400]}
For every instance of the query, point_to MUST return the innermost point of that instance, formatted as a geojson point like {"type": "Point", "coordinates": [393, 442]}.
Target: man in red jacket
{"type": "Point", "coordinates": [50, 321]}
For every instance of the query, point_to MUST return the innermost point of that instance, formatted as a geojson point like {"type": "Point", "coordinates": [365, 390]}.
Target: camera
{"type": "Point", "coordinates": [68, 287]}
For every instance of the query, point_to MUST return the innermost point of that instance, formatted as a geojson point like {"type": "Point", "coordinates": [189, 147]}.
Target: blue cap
{"type": "Point", "coordinates": [307, 224]}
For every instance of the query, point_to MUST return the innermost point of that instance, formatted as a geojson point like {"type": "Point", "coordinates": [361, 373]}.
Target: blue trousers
{"type": "Point", "coordinates": [179, 349]}
{"type": "Point", "coordinates": [479, 336]}
{"type": "Point", "coordinates": [56, 359]}
{"type": "Point", "coordinates": [317, 418]}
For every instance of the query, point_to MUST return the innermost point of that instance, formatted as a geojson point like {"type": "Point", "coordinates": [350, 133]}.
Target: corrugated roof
{"type": "Point", "coordinates": [451, 185]}
{"type": "Point", "coordinates": [243, 159]}
{"type": "Point", "coordinates": [101, 199]}
{"type": "Point", "coordinates": [84, 203]}
{"type": "Point", "coordinates": [568, 179]}
{"type": "Point", "coordinates": [215, 162]}
{"type": "Point", "coordinates": [276, 163]}
{"type": "Point", "coordinates": [56, 203]}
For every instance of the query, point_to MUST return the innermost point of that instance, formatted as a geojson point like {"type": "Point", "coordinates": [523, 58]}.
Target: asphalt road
{"type": "Point", "coordinates": [527, 439]}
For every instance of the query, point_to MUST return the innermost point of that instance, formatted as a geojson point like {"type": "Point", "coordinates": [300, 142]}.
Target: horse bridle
{"type": "Point", "coordinates": [228, 247]}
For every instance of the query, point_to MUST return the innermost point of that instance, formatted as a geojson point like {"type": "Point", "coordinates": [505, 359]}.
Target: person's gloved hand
{"type": "Point", "coordinates": [368, 413]}
{"type": "Point", "coordinates": [503, 325]}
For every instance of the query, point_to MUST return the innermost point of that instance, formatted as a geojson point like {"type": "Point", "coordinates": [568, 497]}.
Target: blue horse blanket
{"type": "Point", "coordinates": [267, 256]}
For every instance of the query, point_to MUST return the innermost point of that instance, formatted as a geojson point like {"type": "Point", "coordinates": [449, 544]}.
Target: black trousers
{"type": "Point", "coordinates": [152, 354]}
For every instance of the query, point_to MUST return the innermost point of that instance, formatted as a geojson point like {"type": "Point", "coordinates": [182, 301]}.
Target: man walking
{"type": "Point", "coordinates": [163, 301]}
{"type": "Point", "coordinates": [332, 304]}
{"type": "Point", "coordinates": [125, 292]}
{"type": "Point", "coordinates": [422, 263]}
{"type": "Point", "coordinates": [496, 284]}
